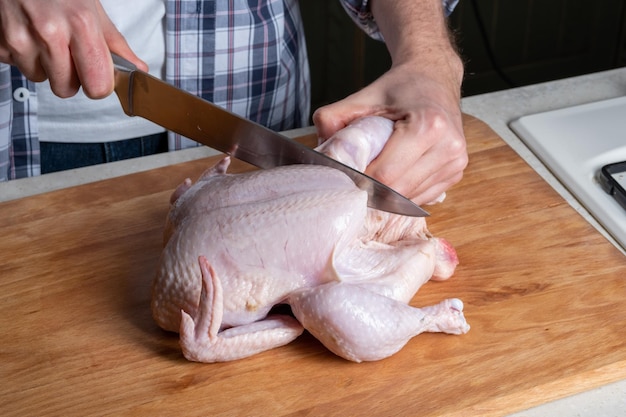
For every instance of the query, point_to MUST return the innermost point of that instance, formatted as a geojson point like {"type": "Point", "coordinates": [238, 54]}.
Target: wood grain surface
{"type": "Point", "coordinates": [544, 292]}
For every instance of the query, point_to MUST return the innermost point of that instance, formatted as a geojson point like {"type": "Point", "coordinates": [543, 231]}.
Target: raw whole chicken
{"type": "Point", "coordinates": [238, 245]}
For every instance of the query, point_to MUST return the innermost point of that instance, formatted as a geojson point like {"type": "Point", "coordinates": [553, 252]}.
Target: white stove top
{"type": "Point", "coordinates": [574, 143]}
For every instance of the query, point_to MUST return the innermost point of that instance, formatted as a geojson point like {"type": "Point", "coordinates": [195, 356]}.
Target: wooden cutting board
{"type": "Point", "coordinates": [544, 292]}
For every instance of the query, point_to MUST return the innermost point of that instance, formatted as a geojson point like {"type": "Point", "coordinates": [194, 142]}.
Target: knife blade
{"type": "Point", "coordinates": [143, 95]}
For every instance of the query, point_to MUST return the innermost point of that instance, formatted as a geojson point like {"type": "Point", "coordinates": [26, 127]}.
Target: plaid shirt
{"type": "Point", "coordinates": [248, 57]}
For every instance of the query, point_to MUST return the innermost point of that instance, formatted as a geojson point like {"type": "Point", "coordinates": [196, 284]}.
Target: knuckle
{"type": "Point", "coordinates": [97, 89]}
{"type": "Point", "coordinates": [37, 76]}
{"type": "Point", "coordinates": [64, 90]}
{"type": "Point", "coordinates": [455, 167]}
{"type": "Point", "coordinates": [49, 31]}
{"type": "Point", "coordinates": [437, 122]}
{"type": "Point", "coordinates": [82, 19]}
{"type": "Point", "coordinates": [457, 149]}
{"type": "Point", "coordinates": [320, 115]}
{"type": "Point", "coordinates": [17, 40]}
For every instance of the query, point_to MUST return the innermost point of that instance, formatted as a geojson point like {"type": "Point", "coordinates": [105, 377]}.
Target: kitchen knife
{"type": "Point", "coordinates": [193, 117]}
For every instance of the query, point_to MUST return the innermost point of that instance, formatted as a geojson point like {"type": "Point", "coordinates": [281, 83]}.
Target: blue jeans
{"type": "Point", "coordinates": [57, 156]}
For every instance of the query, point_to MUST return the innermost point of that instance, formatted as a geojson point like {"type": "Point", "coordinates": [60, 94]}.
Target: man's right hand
{"type": "Point", "coordinates": [68, 42]}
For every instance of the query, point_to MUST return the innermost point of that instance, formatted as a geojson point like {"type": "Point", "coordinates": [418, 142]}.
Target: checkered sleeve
{"type": "Point", "coordinates": [19, 142]}
{"type": "Point", "coordinates": [5, 120]}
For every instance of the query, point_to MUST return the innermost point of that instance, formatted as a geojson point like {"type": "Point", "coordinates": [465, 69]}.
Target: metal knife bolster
{"type": "Point", "coordinates": [193, 117]}
{"type": "Point", "coordinates": [123, 88]}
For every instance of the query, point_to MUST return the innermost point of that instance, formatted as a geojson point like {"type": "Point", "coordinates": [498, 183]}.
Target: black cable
{"type": "Point", "coordinates": [490, 54]}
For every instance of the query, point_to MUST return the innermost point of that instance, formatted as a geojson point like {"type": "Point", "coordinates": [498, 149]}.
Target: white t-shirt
{"type": "Point", "coordinates": [80, 119]}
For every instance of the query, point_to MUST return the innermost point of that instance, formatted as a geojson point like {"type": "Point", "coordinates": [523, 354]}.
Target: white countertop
{"type": "Point", "coordinates": [497, 110]}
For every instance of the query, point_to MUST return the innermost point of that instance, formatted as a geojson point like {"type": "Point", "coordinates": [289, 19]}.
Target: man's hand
{"type": "Point", "coordinates": [68, 42]}
{"type": "Point", "coordinates": [426, 153]}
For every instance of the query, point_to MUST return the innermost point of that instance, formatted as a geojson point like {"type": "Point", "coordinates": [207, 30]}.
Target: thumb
{"type": "Point", "coordinates": [118, 45]}
{"type": "Point", "coordinates": [333, 117]}
{"type": "Point", "coordinates": [116, 41]}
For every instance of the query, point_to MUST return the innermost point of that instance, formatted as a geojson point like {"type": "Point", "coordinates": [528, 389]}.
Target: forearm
{"type": "Point", "coordinates": [416, 34]}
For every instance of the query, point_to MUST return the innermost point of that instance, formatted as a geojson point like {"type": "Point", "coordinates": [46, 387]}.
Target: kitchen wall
{"type": "Point", "coordinates": [504, 43]}
{"type": "Point", "coordinates": [342, 57]}
{"type": "Point", "coordinates": [508, 43]}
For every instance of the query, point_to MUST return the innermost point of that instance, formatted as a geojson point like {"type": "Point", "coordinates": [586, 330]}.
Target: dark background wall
{"type": "Point", "coordinates": [504, 43]}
